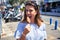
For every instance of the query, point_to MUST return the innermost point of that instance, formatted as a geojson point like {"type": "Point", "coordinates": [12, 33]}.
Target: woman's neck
{"type": "Point", "coordinates": [32, 21]}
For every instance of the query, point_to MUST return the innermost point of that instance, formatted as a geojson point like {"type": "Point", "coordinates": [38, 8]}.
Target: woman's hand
{"type": "Point", "coordinates": [27, 29]}
{"type": "Point", "coordinates": [22, 37]}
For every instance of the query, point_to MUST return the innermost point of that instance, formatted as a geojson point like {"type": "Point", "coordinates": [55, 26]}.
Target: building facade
{"type": "Point", "coordinates": [51, 6]}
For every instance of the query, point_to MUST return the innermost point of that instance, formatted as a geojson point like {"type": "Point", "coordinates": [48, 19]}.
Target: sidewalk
{"type": "Point", "coordinates": [46, 19]}
{"type": "Point", "coordinates": [51, 33]}
{"type": "Point", "coordinates": [8, 30]}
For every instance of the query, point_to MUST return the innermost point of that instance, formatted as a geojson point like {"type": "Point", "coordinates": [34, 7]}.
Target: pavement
{"type": "Point", "coordinates": [46, 19]}
{"type": "Point", "coordinates": [52, 34]}
{"type": "Point", "coordinates": [9, 28]}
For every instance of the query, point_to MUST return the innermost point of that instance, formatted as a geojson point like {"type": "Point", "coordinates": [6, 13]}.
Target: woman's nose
{"type": "Point", "coordinates": [28, 12]}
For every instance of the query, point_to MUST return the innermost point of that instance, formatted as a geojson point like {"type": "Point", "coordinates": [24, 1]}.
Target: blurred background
{"type": "Point", "coordinates": [12, 12]}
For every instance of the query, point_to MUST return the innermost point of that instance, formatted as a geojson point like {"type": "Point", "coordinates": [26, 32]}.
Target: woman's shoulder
{"type": "Point", "coordinates": [43, 24]}
{"type": "Point", "coordinates": [22, 23]}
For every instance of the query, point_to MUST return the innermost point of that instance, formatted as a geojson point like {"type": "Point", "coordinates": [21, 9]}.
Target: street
{"type": "Point", "coordinates": [9, 28]}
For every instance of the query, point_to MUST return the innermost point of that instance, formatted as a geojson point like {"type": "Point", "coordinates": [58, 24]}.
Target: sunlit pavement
{"type": "Point", "coordinates": [54, 18]}
{"type": "Point", "coordinates": [9, 28]}
{"type": "Point", "coordinates": [51, 32]}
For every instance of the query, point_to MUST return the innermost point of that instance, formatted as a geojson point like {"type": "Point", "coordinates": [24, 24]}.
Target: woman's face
{"type": "Point", "coordinates": [30, 11]}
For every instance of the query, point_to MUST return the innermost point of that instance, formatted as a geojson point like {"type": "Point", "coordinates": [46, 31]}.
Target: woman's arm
{"type": "Point", "coordinates": [26, 30]}
{"type": "Point", "coordinates": [19, 30]}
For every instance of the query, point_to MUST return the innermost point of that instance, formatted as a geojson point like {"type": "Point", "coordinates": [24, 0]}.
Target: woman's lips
{"type": "Point", "coordinates": [30, 16]}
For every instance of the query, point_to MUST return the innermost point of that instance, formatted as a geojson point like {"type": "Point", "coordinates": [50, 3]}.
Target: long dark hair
{"type": "Point", "coordinates": [33, 3]}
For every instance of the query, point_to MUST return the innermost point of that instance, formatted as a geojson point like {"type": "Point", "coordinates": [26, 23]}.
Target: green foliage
{"type": "Point", "coordinates": [11, 2]}
{"type": "Point", "coordinates": [22, 9]}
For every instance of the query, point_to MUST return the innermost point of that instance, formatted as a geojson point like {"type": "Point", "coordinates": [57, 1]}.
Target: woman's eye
{"type": "Point", "coordinates": [29, 10]}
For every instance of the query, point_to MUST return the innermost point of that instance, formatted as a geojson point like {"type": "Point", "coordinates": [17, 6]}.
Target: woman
{"type": "Point", "coordinates": [32, 26]}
